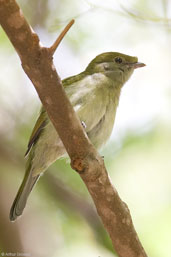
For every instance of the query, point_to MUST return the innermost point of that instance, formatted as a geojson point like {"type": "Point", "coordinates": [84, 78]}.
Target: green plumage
{"type": "Point", "coordinates": [94, 95]}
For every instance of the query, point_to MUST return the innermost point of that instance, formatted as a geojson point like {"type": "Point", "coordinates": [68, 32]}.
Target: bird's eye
{"type": "Point", "coordinates": [118, 60]}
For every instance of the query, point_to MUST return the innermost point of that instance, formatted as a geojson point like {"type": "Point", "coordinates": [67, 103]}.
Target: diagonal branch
{"type": "Point", "coordinates": [38, 65]}
{"type": "Point", "coordinates": [53, 48]}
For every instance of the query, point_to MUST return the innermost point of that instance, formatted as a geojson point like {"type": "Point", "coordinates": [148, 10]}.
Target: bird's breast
{"type": "Point", "coordinates": [100, 133]}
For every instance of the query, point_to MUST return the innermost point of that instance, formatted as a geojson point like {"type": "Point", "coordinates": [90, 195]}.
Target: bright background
{"type": "Point", "coordinates": [60, 219]}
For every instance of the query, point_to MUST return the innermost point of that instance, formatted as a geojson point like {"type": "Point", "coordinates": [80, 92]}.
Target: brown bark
{"type": "Point", "coordinates": [38, 64]}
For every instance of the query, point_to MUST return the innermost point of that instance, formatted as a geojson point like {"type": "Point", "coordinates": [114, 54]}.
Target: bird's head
{"type": "Point", "coordinates": [117, 66]}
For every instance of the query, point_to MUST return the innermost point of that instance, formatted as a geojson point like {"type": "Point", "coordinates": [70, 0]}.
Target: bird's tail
{"type": "Point", "coordinates": [22, 195]}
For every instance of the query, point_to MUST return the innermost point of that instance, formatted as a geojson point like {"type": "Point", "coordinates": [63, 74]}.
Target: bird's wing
{"type": "Point", "coordinates": [42, 119]}
{"type": "Point", "coordinates": [38, 128]}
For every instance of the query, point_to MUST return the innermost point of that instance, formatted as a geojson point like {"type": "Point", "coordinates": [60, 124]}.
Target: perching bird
{"type": "Point", "coordinates": [94, 94]}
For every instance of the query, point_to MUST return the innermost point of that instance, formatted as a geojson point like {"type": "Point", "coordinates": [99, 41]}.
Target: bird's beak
{"type": "Point", "coordinates": [136, 65]}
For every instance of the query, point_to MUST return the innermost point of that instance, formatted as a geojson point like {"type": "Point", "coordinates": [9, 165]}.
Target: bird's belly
{"type": "Point", "coordinates": [49, 146]}
{"type": "Point", "coordinates": [102, 131]}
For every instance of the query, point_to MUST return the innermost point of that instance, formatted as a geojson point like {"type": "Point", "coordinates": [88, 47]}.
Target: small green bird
{"type": "Point", "coordinates": [94, 95]}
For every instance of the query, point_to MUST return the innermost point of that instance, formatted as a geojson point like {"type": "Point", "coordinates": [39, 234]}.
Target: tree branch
{"type": "Point", "coordinates": [79, 205]}
{"type": "Point", "coordinates": [53, 48]}
{"type": "Point", "coordinates": [38, 65]}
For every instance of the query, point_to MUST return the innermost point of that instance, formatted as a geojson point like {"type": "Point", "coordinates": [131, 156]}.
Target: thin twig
{"type": "Point", "coordinates": [53, 48]}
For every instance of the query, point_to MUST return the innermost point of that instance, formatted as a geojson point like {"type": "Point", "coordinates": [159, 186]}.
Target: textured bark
{"type": "Point", "coordinates": [38, 64]}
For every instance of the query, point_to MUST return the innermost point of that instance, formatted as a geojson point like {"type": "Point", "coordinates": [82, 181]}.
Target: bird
{"type": "Point", "coordinates": [94, 95]}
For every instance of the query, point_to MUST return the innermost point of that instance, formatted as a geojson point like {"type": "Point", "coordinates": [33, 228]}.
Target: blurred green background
{"type": "Point", "coordinates": [60, 219]}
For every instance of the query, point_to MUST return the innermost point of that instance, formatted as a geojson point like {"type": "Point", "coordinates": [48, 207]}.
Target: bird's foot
{"type": "Point", "coordinates": [83, 124]}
